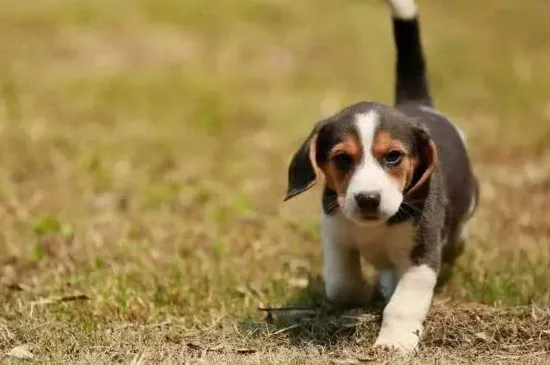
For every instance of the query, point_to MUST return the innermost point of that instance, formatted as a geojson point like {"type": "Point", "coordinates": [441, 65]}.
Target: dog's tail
{"type": "Point", "coordinates": [411, 83]}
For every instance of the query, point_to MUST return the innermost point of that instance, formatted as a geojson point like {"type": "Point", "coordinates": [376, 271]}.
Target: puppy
{"type": "Point", "coordinates": [398, 191]}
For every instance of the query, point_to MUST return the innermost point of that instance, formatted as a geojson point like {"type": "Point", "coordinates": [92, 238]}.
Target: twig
{"type": "Point", "coordinates": [221, 349]}
{"type": "Point", "coordinates": [70, 298]}
{"type": "Point", "coordinates": [288, 309]}
{"type": "Point", "coordinates": [295, 325]}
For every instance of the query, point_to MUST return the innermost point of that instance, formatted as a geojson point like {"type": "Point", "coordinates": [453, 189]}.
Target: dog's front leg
{"type": "Point", "coordinates": [405, 312]}
{"type": "Point", "coordinates": [344, 283]}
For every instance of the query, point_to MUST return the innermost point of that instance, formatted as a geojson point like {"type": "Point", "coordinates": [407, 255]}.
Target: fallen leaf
{"type": "Point", "coordinates": [194, 347]}
{"type": "Point", "coordinates": [138, 359]}
{"type": "Point", "coordinates": [18, 287]}
{"type": "Point", "coordinates": [288, 312]}
{"type": "Point", "coordinates": [15, 287]}
{"type": "Point", "coordinates": [70, 298]}
{"type": "Point", "coordinates": [218, 348]}
{"type": "Point", "coordinates": [346, 361]}
{"type": "Point", "coordinates": [367, 359]}
{"type": "Point", "coordinates": [64, 298]}
{"type": "Point", "coordinates": [484, 337]}
{"type": "Point", "coordinates": [21, 352]}
{"type": "Point", "coordinates": [245, 351]}
{"type": "Point", "coordinates": [285, 329]}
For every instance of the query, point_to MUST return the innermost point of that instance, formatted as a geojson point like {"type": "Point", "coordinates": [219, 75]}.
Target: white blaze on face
{"type": "Point", "coordinates": [403, 9]}
{"type": "Point", "coordinates": [369, 176]}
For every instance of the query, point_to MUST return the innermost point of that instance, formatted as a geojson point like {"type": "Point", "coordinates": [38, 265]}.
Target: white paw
{"type": "Point", "coordinates": [402, 342]}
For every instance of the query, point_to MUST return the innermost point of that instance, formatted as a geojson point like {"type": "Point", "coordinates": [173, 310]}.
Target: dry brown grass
{"type": "Point", "coordinates": [143, 151]}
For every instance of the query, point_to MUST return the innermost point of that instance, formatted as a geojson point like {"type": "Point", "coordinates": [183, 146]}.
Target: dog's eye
{"type": "Point", "coordinates": [393, 158]}
{"type": "Point", "coordinates": [343, 161]}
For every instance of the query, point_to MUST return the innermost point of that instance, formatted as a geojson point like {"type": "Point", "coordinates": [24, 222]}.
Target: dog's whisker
{"type": "Point", "coordinates": [403, 213]}
{"type": "Point", "coordinates": [411, 206]}
{"type": "Point", "coordinates": [333, 205]}
{"type": "Point", "coordinates": [409, 203]}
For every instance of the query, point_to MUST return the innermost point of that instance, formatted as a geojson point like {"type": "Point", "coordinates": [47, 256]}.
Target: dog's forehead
{"type": "Point", "coordinates": [336, 129]}
{"type": "Point", "coordinates": [395, 124]}
{"type": "Point", "coordinates": [364, 121]}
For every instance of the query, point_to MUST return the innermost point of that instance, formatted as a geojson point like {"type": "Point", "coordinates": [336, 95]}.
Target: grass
{"type": "Point", "coordinates": [143, 152]}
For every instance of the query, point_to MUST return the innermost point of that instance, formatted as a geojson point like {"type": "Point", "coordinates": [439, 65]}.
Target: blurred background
{"type": "Point", "coordinates": [144, 145]}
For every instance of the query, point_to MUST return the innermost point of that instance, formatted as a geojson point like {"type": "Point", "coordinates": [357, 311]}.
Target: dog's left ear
{"type": "Point", "coordinates": [302, 171]}
{"type": "Point", "coordinates": [428, 161]}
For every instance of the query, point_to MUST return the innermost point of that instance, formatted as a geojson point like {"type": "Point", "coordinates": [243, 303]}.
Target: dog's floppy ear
{"type": "Point", "coordinates": [302, 171]}
{"type": "Point", "coordinates": [428, 161]}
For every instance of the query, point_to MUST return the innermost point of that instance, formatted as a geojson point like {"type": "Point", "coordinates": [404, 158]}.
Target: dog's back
{"type": "Point", "coordinates": [412, 97]}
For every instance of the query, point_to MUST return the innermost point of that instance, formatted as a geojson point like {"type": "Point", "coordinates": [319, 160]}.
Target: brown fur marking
{"type": "Point", "coordinates": [403, 173]}
{"type": "Point", "coordinates": [336, 179]}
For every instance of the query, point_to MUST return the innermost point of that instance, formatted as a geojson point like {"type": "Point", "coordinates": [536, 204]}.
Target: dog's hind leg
{"type": "Point", "coordinates": [456, 240]}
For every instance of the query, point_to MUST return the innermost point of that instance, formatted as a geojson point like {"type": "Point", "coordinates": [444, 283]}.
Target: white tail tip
{"type": "Point", "coordinates": [403, 9]}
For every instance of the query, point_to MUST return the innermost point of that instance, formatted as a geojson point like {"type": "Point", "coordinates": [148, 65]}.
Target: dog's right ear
{"type": "Point", "coordinates": [302, 172]}
{"type": "Point", "coordinates": [429, 161]}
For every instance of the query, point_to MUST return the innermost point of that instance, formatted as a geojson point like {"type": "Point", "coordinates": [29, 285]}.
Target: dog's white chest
{"type": "Point", "coordinates": [382, 246]}
{"type": "Point", "coordinates": [387, 245]}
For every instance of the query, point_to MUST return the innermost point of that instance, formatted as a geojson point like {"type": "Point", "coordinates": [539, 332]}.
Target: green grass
{"type": "Point", "coordinates": [143, 152]}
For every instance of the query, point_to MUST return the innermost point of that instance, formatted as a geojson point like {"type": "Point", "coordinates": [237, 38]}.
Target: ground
{"type": "Point", "coordinates": [144, 147]}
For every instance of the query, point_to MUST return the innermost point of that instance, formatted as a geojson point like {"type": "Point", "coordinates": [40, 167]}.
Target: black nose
{"type": "Point", "coordinates": [368, 201]}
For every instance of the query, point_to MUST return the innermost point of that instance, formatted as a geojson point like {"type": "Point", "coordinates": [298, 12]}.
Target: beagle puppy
{"type": "Point", "coordinates": [398, 191]}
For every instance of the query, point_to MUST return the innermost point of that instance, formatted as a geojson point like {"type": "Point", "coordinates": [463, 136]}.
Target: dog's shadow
{"type": "Point", "coordinates": [309, 319]}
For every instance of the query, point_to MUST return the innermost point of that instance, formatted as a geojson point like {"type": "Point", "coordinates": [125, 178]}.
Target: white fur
{"type": "Point", "coordinates": [341, 266]}
{"type": "Point", "coordinates": [386, 282]}
{"type": "Point", "coordinates": [344, 241]}
{"type": "Point", "coordinates": [407, 309]}
{"type": "Point", "coordinates": [403, 9]}
{"type": "Point", "coordinates": [409, 288]}
{"type": "Point", "coordinates": [369, 176]}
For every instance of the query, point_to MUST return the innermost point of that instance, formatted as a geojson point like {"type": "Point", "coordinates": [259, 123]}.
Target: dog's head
{"type": "Point", "coordinates": [372, 157]}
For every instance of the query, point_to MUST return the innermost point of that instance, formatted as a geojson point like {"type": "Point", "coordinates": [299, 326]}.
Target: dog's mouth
{"type": "Point", "coordinates": [369, 219]}
{"type": "Point", "coordinates": [362, 217]}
